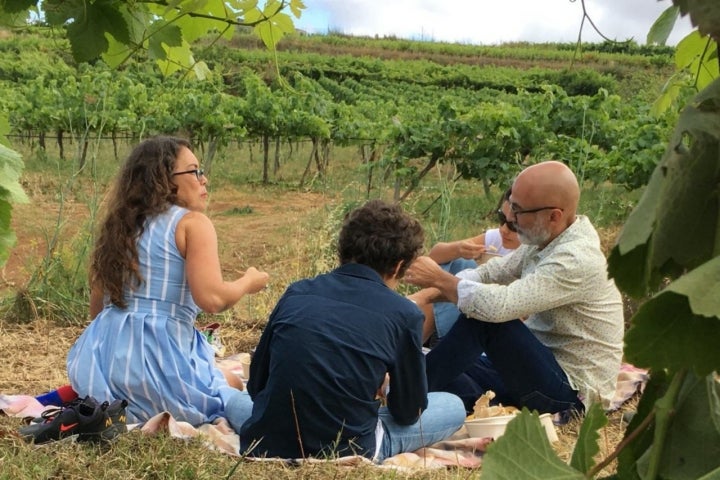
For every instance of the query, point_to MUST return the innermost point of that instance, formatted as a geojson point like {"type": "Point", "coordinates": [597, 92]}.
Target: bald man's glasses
{"type": "Point", "coordinates": [504, 221]}
{"type": "Point", "coordinates": [518, 211]}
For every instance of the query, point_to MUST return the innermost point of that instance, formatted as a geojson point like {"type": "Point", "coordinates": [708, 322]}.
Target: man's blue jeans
{"type": "Point", "coordinates": [443, 416]}
{"type": "Point", "coordinates": [507, 358]}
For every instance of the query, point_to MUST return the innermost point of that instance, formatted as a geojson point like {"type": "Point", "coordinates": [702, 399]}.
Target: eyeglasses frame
{"type": "Point", "coordinates": [517, 212]}
{"type": "Point", "coordinates": [198, 172]}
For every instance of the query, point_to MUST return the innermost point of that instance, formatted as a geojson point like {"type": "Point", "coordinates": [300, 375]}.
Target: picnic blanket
{"type": "Point", "coordinates": [462, 452]}
{"type": "Point", "coordinates": [458, 451]}
{"type": "Point", "coordinates": [631, 380]}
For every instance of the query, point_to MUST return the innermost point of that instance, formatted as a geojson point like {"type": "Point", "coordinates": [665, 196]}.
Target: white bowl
{"type": "Point", "coordinates": [492, 427]}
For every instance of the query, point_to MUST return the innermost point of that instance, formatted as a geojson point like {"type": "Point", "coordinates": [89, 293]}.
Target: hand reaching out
{"type": "Point", "coordinates": [422, 272]}
{"type": "Point", "coordinates": [470, 250]}
{"type": "Point", "coordinates": [256, 279]}
{"type": "Point", "coordinates": [425, 272]}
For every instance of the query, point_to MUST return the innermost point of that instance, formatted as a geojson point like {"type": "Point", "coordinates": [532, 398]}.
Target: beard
{"type": "Point", "coordinates": [538, 235]}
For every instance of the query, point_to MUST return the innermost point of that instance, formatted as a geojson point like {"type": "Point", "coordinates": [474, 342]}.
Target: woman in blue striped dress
{"type": "Point", "coordinates": [154, 267]}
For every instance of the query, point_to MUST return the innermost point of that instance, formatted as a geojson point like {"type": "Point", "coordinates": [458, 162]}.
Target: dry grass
{"type": "Point", "coordinates": [289, 234]}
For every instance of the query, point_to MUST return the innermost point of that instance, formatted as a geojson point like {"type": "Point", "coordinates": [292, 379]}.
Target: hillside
{"type": "Point", "coordinates": [408, 106]}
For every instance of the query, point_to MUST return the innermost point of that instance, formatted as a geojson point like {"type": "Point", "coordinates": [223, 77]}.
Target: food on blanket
{"type": "Point", "coordinates": [406, 460]}
{"type": "Point", "coordinates": [245, 362]}
{"type": "Point", "coordinates": [483, 409]}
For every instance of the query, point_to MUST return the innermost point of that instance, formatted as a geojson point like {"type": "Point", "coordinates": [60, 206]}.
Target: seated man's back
{"type": "Point", "coordinates": [325, 352]}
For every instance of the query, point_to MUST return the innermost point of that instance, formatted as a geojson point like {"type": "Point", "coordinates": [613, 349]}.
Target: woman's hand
{"type": "Point", "coordinates": [470, 250]}
{"type": "Point", "coordinates": [256, 280]}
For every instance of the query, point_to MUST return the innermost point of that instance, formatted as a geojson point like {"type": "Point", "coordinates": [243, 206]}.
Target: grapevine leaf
{"type": "Point", "coordinates": [201, 70]}
{"type": "Point", "coordinates": [283, 22]}
{"type": "Point", "coordinates": [163, 38]}
{"type": "Point", "coordinates": [700, 287]}
{"type": "Point", "coordinates": [87, 30]}
{"type": "Point", "coordinates": [137, 23]}
{"type": "Point", "coordinates": [244, 5]}
{"type": "Point", "coordinates": [692, 447]}
{"type": "Point", "coordinates": [674, 225]}
{"type": "Point", "coordinates": [17, 6]}
{"type": "Point", "coordinates": [660, 30]}
{"type": "Point", "coordinates": [194, 27]}
{"type": "Point", "coordinates": [667, 332]}
{"type": "Point", "coordinates": [10, 192]}
{"type": "Point", "coordinates": [116, 52]}
{"type": "Point", "coordinates": [253, 16]}
{"type": "Point", "coordinates": [704, 14]}
{"type": "Point", "coordinates": [11, 166]}
{"type": "Point", "coordinates": [188, 5]}
{"type": "Point", "coordinates": [296, 7]}
{"type": "Point", "coordinates": [18, 19]}
{"type": "Point", "coordinates": [271, 8]}
{"type": "Point", "coordinates": [269, 34]}
{"type": "Point", "coordinates": [178, 58]}
{"type": "Point", "coordinates": [587, 446]}
{"type": "Point", "coordinates": [670, 93]}
{"type": "Point", "coordinates": [525, 452]}
{"type": "Point", "coordinates": [695, 53]}
{"type": "Point", "coordinates": [4, 130]}
{"type": "Point", "coordinates": [7, 235]}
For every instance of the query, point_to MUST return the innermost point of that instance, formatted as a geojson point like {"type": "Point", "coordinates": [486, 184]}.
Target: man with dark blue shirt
{"type": "Point", "coordinates": [328, 346]}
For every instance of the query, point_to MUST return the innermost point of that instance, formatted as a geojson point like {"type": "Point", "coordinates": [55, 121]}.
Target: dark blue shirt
{"type": "Point", "coordinates": [321, 359]}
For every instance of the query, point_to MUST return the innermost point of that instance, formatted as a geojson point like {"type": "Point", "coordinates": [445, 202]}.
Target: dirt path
{"type": "Point", "coordinates": [249, 225]}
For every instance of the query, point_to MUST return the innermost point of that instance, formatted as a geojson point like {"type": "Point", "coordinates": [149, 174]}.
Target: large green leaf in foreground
{"type": "Point", "coordinates": [704, 14]}
{"type": "Point", "coordinates": [10, 192]}
{"type": "Point", "coordinates": [692, 448]}
{"type": "Point", "coordinates": [674, 227]}
{"type": "Point", "coordinates": [524, 452]}
{"type": "Point", "coordinates": [679, 328]}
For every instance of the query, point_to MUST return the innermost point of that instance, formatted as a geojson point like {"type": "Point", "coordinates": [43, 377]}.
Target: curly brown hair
{"type": "Point", "coordinates": [143, 188]}
{"type": "Point", "coordinates": [379, 235]}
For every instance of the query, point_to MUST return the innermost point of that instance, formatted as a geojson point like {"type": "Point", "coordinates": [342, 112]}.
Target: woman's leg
{"type": "Point", "coordinates": [444, 415]}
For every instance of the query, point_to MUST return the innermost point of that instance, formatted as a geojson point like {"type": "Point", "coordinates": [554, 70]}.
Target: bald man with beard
{"type": "Point", "coordinates": [566, 355]}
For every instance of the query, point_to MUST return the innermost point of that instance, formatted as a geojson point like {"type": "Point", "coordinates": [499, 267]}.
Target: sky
{"type": "Point", "coordinates": [485, 22]}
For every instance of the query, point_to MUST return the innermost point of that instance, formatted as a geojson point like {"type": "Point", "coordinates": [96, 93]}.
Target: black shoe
{"type": "Point", "coordinates": [86, 418]}
{"type": "Point", "coordinates": [114, 423]}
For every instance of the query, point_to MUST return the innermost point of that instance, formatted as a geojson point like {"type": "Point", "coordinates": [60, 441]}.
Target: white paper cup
{"type": "Point", "coordinates": [245, 363]}
{"type": "Point", "coordinates": [547, 423]}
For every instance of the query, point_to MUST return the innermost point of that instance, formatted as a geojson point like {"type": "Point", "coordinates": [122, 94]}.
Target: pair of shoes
{"type": "Point", "coordinates": [87, 418]}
